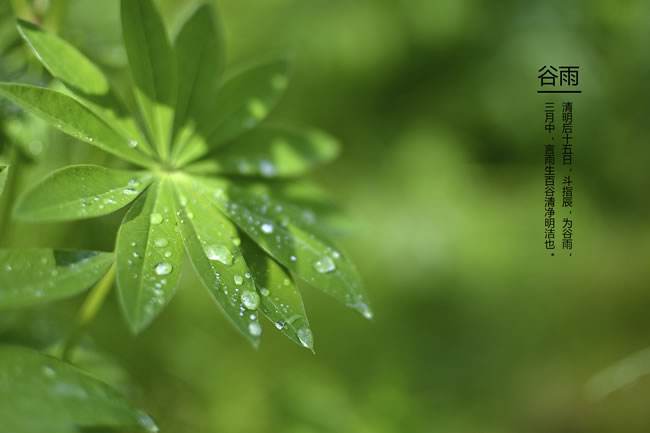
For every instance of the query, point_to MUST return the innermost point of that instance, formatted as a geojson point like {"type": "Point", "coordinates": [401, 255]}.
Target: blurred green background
{"type": "Point", "coordinates": [477, 328]}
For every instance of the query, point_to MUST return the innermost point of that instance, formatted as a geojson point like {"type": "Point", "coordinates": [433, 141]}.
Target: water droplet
{"type": "Point", "coordinates": [163, 268]}
{"type": "Point", "coordinates": [279, 325]}
{"type": "Point", "coordinates": [167, 254]}
{"type": "Point", "coordinates": [161, 243]}
{"type": "Point", "coordinates": [251, 300]}
{"type": "Point", "coordinates": [324, 265]}
{"type": "Point", "coordinates": [267, 228]}
{"type": "Point", "coordinates": [293, 258]}
{"type": "Point", "coordinates": [236, 242]}
{"type": "Point", "coordinates": [265, 292]}
{"type": "Point", "coordinates": [133, 143]}
{"type": "Point", "coordinates": [219, 253]}
{"type": "Point", "coordinates": [306, 338]}
{"type": "Point", "coordinates": [155, 218]}
{"type": "Point", "coordinates": [238, 280]}
{"type": "Point", "coordinates": [255, 329]}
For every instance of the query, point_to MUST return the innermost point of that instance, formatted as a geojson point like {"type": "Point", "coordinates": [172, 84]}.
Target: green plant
{"type": "Point", "coordinates": [211, 181]}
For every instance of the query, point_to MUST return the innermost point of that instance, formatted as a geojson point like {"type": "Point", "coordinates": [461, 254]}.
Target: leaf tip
{"type": "Point", "coordinates": [364, 309]}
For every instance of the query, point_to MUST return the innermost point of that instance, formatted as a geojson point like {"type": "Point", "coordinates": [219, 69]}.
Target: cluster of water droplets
{"type": "Point", "coordinates": [110, 200]}
{"type": "Point", "coordinates": [36, 278]}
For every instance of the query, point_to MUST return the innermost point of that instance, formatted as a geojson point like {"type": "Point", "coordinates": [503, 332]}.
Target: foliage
{"type": "Point", "coordinates": [209, 181]}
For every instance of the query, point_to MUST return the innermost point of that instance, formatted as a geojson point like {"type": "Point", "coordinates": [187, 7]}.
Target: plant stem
{"type": "Point", "coordinates": [88, 311]}
{"type": "Point", "coordinates": [9, 194]}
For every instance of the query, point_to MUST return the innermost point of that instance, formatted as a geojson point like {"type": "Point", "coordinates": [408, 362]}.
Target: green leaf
{"type": "Point", "coordinates": [200, 56]}
{"type": "Point", "coordinates": [63, 60]}
{"type": "Point", "coordinates": [73, 118]}
{"type": "Point", "coordinates": [276, 152]}
{"type": "Point", "coordinates": [80, 192]}
{"type": "Point", "coordinates": [284, 234]}
{"type": "Point", "coordinates": [309, 206]}
{"type": "Point", "coordinates": [212, 243]}
{"type": "Point", "coordinates": [42, 394]}
{"type": "Point", "coordinates": [153, 68]}
{"type": "Point", "coordinates": [87, 81]}
{"type": "Point", "coordinates": [242, 103]}
{"type": "Point", "coordinates": [36, 276]}
{"type": "Point", "coordinates": [280, 301]}
{"type": "Point", "coordinates": [149, 255]}
{"type": "Point", "coordinates": [4, 171]}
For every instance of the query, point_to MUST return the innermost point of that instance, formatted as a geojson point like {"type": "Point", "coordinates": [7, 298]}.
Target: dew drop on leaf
{"type": "Point", "coordinates": [133, 143]}
{"type": "Point", "coordinates": [267, 228]}
{"type": "Point", "coordinates": [255, 329]}
{"type": "Point", "coordinates": [251, 300]}
{"type": "Point", "coordinates": [324, 265]}
{"type": "Point", "coordinates": [238, 279]}
{"type": "Point", "coordinates": [163, 268]}
{"type": "Point", "coordinates": [219, 253]}
{"type": "Point", "coordinates": [161, 242]}
{"type": "Point", "coordinates": [155, 218]}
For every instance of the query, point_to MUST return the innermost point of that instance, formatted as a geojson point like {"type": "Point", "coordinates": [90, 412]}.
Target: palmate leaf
{"type": "Point", "coordinates": [149, 255]}
{"type": "Point", "coordinates": [311, 258]}
{"type": "Point", "coordinates": [212, 243]}
{"type": "Point", "coordinates": [153, 68]}
{"type": "Point", "coordinates": [275, 152]}
{"type": "Point", "coordinates": [42, 394]}
{"type": "Point", "coordinates": [246, 241]}
{"type": "Point", "coordinates": [280, 299]}
{"type": "Point", "coordinates": [36, 276]}
{"type": "Point", "coordinates": [4, 171]}
{"type": "Point", "coordinates": [244, 100]}
{"type": "Point", "coordinates": [79, 192]}
{"type": "Point", "coordinates": [71, 117]}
